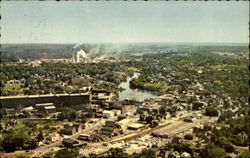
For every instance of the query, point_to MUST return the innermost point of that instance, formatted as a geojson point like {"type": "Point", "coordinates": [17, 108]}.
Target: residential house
{"type": "Point", "coordinates": [82, 82]}
{"type": "Point", "coordinates": [197, 105]}
{"type": "Point", "coordinates": [11, 112]}
{"type": "Point", "coordinates": [70, 129]}
{"type": "Point", "coordinates": [102, 95]}
{"type": "Point", "coordinates": [135, 126]}
{"type": "Point", "coordinates": [70, 143]}
{"type": "Point", "coordinates": [110, 128]}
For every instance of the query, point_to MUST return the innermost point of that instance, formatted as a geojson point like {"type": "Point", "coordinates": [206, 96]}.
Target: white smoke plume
{"type": "Point", "coordinates": [77, 45]}
{"type": "Point", "coordinates": [81, 56]}
{"type": "Point", "coordinates": [98, 51]}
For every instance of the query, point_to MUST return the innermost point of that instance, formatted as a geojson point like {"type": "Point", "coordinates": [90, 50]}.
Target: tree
{"type": "Point", "coordinates": [211, 111]}
{"type": "Point", "coordinates": [40, 136]}
{"type": "Point", "coordinates": [211, 151]}
{"type": "Point", "coordinates": [66, 153]}
{"type": "Point", "coordinates": [68, 114]}
{"type": "Point", "coordinates": [116, 153]}
{"type": "Point", "coordinates": [147, 153]}
{"type": "Point", "coordinates": [17, 139]}
{"type": "Point", "coordinates": [149, 119]}
{"type": "Point", "coordinates": [224, 143]}
{"type": "Point", "coordinates": [245, 154]}
{"type": "Point", "coordinates": [31, 125]}
{"type": "Point", "coordinates": [162, 109]}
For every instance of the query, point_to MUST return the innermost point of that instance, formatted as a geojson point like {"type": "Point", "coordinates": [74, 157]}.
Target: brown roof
{"type": "Point", "coordinates": [80, 80]}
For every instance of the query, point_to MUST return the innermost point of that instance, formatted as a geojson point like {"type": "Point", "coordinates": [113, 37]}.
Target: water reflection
{"type": "Point", "coordinates": [129, 93]}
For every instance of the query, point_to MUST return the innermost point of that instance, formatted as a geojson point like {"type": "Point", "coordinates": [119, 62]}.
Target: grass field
{"type": "Point", "coordinates": [41, 125]}
{"type": "Point", "coordinates": [15, 88]}
{"type": "Point", "coordinates": [156, 86]}
{"type": "Point", "coordinates": [132, 68]}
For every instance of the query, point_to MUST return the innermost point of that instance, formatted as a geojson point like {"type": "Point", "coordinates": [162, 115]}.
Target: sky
{"type": "Point", "coordinates": [124, 22]}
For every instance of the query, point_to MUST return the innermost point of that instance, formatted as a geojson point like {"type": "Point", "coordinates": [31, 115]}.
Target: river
{"type": "Point", "coordinates": [129, 93]}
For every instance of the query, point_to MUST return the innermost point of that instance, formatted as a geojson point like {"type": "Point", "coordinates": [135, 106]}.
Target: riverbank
{"type": "Point", "coordinates": [129, 93]}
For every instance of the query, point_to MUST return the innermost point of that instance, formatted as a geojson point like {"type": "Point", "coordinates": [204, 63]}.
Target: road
{"type": "Point", "coordinates": [171, 127]}
{"type": "Point", "coordinates": [176, 127]}
{"type": "Point", "coordinates": [45, 149]}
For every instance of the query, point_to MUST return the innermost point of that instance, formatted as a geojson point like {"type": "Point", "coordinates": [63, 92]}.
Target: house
{"type": "Point", "coordinates": [48, 140]}
{"type": "Point", "coordinates": [101, 95]}
{"type": "Point", "coordinates": [185, 155]}
{"type": "Point", "coordinates": [70, 129]}
{"type": "Point", "coordinates": [242, 138]}
{"type": "Point", "coordinates": [154, 123]}
{"type": "Point", "coordinates": [50, 109]}
{"type": "Point", "coordinates": [134, 101]}
{"type": "Point", "coordinates": [51, 138]}
{"type": "Point", "coordinates": [11, 82]}
{"type": "Point", "coordinates": [98, 91]}
{"type": "Point", "coordinates": [168, 100]}
{"type": "Point", "coordinates": [108, 114]}
{"type": "Point", "coordinates": [170, 154]}
{"type": "Point", "coordinates": [128, 109]}
{"type": "Point", "coordinates": [11, 122]}
{"type": "Point", "coordinates": [10, 112]}
{"type": "Point", "coordinates": [70, 143]}
{"type": "Point", "coordinates": [153, 108]}
{"type": "Point", "coordinates": [46, 107]}
{"type": "Point", "coordinates": [135, 126]}
{"type": "Point", "coordinates": [80, 81]}
{"type": "Point", "coordinates": [29, 109]}
{"type": "Point", "coordinates": [85, 137]}
{"type": "Point", "coordinates": [160, 135]}
{"type": "Point", "coordinates": [197, 105]}
{"type": "Point", "coordinates": [176, 139]}
{"type": "Point", "coordinates": [110, 128]}
{"type": "Point", "coordinates": [189, 119]}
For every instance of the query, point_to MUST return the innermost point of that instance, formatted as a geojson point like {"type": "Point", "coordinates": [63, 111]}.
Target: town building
{"type": "Point", "coordinates": [45, 107]}
{"type": "Point", "coordinates": [70, 129]}
{"type": "Point", "coordinates": [111, 128]}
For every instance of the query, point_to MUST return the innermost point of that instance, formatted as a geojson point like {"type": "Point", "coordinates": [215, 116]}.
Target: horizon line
{"type": "Point", "coordinates": [131, 43]}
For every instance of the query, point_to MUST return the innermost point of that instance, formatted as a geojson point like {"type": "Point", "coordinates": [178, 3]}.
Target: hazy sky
{"type": "Point", "coordinates": [79, 22]}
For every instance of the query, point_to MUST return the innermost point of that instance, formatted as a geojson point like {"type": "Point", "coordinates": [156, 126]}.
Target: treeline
{"type": "Point", "coordinates": [222, 74]}
{"type": "Point", "coordinates": [48, 77]}
{"type": "Point", "coordinates": [13, 52]}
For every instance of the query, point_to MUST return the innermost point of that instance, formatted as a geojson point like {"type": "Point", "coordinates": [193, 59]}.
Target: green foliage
{"type": "Point", "coordinates": [227, 136]}
{"type": "Point", "coordinates": [38, 80]}
{"type": "Point", "coordinates": [116, 153]}
{"type": "Point", "coordinates": [245, 154]}
{"type": "Point", "coordinates": [13, 89]}
{"type": "Point", "coordinates": [224, 74]}
{"type": "Point", "coordinates": [30, 124]}
{"type": "Point", "coordinates": [147, 153]}
{"type": "Point", "coordinates": [40, 136]}
{"type": "Point", "coordinates": [224, 143]}
{"type": "Point", "coordinates": [211, 151]}
{"type": "Point", "coordinates": [68, 114]}
{"type": "Point", "coordinates": [163, 109]}
{"type": "Point", "coordinates": [66, 153]}
{"type": "Point", "coordinates": [17, 139]}
{"type": "Point", "coordinates": [211, 111]}
{"type": "Point", "coordinates": [180, 148]}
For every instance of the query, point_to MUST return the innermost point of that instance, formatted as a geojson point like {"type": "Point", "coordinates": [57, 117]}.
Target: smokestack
{"type": "Point", "coordinates": [73, 49]}
{"type": "Point", "coordinates": [73, 55]}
